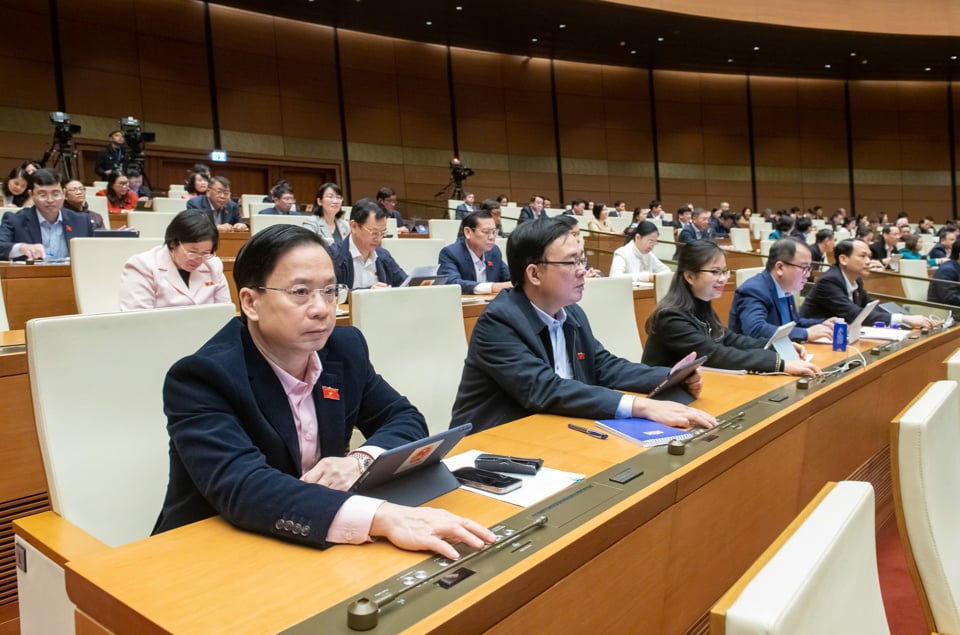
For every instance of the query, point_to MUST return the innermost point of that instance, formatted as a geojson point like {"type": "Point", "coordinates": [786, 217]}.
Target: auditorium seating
{"type": "Point", "coordinates": [259, 222]}
{"type": "Point", "coordinates": [819, 576]}
{"type": "Point", "coordinates": [4, 324]}
{"type": "Point", "coordinates": [98, 204]}
{"type": "Point", "coordinates": [740, 238]}
{"type": "Point", "coordinates": [619, 223]}
{"type": "Point", "coordinates": [445, 230]}
{"type": "Point", "coordinates": [254, 209]}
{"type": "Point", "coordinates": [414, 253]}
{"type": "Point", "coordinates": [926, 477]}
{"type": "Point", "coordinates": [97, 266]}
{"type": "Point", "coordinates": [745, 274]}
{"type": "Point", "coordinates": [953, 366]}
{"type": "Point", "coordinates": [608, 303]}
{"type": "Point", "coordinates": [915, 290]}
{"type": "Point", "coordinates": [150, 224]}
{"type": "Point", "coordinates": [663, 281]}
{"type": "Point", "coordinates": [169, 205]}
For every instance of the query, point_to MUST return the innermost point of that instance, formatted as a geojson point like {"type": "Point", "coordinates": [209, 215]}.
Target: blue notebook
{"type": "Point", "coordinates": [644, 431]}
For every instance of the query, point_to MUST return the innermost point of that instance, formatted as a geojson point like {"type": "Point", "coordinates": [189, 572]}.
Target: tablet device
{"type": "Point", "coordinates": [116, 233]}
{"type": "Point", "coordinates": [412, 474]}
{"type": "Point", "coordinates": [853, 331]}
{"type": "Point", "coordinates": [780, 342]}
{"type": "Point", "coordinates": [671, 389]}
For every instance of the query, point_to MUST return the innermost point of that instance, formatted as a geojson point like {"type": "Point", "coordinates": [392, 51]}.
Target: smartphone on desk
{"type": "Point", "coordinates": [492, 482]}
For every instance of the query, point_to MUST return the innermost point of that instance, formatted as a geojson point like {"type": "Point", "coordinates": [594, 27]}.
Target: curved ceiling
{"type": "Point", "coordinates": [622, 35]}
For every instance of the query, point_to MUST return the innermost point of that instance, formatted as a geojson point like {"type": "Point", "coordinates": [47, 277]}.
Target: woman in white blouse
{"type": "Point", "coordinates": [636, 259]}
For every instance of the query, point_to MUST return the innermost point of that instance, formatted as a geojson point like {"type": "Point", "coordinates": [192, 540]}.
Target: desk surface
{"type": "Point", "coordinates": [691, 532]}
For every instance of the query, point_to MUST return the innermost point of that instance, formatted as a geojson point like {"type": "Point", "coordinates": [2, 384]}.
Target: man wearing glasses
{"type": "Point", "coordinates": [224, 213]}
{"type": "Point", "coordinates": [765, 301]}
{"type": "Point", "coordinates": [475, 261]}
{"type": "Point", "coordinates": [359, 260]}
{"type": "Point", "coordinates": [42, 231]}
{"type": "Point", "coordinates": [532, 350]}
{"type": "Point", "coordinates": [260, 418]}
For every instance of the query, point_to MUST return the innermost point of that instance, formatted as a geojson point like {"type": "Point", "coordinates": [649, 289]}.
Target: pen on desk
{"type": "Point", "coordinates": [592, 433]}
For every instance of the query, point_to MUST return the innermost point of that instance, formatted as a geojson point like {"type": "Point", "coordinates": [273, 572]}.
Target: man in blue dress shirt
{"type": "Point", "coordinates": [475, 262]}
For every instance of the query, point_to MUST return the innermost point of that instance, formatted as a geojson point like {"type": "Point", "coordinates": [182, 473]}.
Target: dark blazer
{"type": "Point", "coordinates": [509, 370]}
{"type": "Point", "coordinates": [387, 268]}
{"type": "Point", "coordinates": [717, 229]}
{"type": "Point", "coordinates": [878, 250]}
{"type": "Point", "coordinates": [527, 214]}
{"type": "Point", "coordinates": [22, 226]}
{"type": "Point", "coordinates": [675, 334]}
{"type": "Point", "coordinates": [234, 449]}
{"type": "Point", "coordinates": [109, 158]}
{"type": "Point", "coordinates": [232, 210]}
{"type": "Point", "coordinates": [941, 291]}
{"type": "Point", "coordinates": [456, 264]}
{"type": "Point", "coordinates": [690, 234]}
{"type": "Point", "coordinates": [464, 210]}
{"type": "Point", "coordinates": [817, 255]}
{"type": "Point", "coordinates": [829, 298]}
{"type": "Point", "coordinates": [275, 212]}
{"type": "Point", "coordinates": [756, 310]}
{"type": "Point", "coordinates": [936, 252]}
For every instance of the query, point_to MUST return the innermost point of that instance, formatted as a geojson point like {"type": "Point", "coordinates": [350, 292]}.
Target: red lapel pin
{"type": "Point", "coordinates": [581, 356]}
{"type": "Point", "coordinates": [331, 393]}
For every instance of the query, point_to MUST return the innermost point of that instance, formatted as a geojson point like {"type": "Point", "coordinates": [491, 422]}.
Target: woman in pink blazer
{"type": "Point", "coordinates": [181, 272]}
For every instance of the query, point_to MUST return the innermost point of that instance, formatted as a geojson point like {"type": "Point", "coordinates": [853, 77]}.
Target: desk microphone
{"type": "Point", "coordinates": [678, 447]}
{"type": "Point", "coordinates": [364, 614]}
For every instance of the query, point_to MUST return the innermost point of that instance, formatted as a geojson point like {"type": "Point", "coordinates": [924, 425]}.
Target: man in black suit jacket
{"type": "Point", "coordinates": [941, 290]}
{"type": "Point", "coordinates": [698, 229]}
{"type": "Point", "coordinates": [884, 249]}
{"type": "Point", "coordinates": [532, 210]}
{"type": "Point", "coordinates": [23, 236]}
{"type": "Point", "coordinates": [476, 256]}
{"type": "Point", "coordinates": [260, 417]}
{"type": "Point", "coordinates": [224, 213]}
{"type": "Point", "coordinates": [111, 158]}
{"type": "Point", "coordinates": [359, 260]}
{"type": "Point", "coordinates": [839, 292]}
{"type": "Point", "coordinates": [532, 350]}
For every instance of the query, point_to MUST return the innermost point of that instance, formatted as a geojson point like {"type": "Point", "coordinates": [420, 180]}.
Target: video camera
{"type": "Point", "coordinates": [134, 139]}
{"type": "Point", "coordinates": [459, 172]}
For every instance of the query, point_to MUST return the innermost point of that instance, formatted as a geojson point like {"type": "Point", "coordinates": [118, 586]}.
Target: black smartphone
{"type": "Point", "coordinates": [487, 481]}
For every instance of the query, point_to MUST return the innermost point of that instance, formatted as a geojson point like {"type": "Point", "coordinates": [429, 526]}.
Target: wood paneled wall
{"type": "Point", "coordinates": [526, 125]}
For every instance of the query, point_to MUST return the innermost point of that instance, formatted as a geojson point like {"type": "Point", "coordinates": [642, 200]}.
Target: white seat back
{"type": "Point", "coordinates": [445, 230]}
{"type": "Point", "coordinates": [4, 323]}
{"type": "Point", "coordinates": [915, 290]}
{"type": "Point", "coordinates": [740, 238]}
{"type": "Point", "coordinates": [391, 226]}
{"type": "Point", "coordinates": [664, 249]}
{"type": "Point", "coordinates": [414, 252]}
{"type": "Point", "coordinates": [169, 205]}
{"type": "Point", "coordinates": [662, 283]}
{"type": "Point", "coordinates": [953, 366]}
{"type": "Point", "coordinates": [254, 209]}
{"type": "Point", "coordinates": [176, 190]}
{"type": "Point", "coordinates": [98, 204]}
{"type": "Point", "coordinates": [452, 205]}
{"type": "Point", "coordinates": [97, 264]}
{"type": "Point", "coordinates": [608, 303]}
{"type": "Point", "coordinates": [106, 458]}
{"type": "Point", "coordinates": [745, 274]}
{"type": "Point", "coordinates": [841, 233]}
{"type": "Point", "coordinates": [100, 185]}
{"type": "Point", "coordinates": [259, 222]}
{"type": "Point", "coordinates": [820, 576]}
{"type": "Point", "coordinates": [926, 477]}
{"type": "Point", "coordinates": [619, 223]}
{"type": "Point", "coordinates": [426, 367]}
{"type": "Point", "coordinates": [150, 224]}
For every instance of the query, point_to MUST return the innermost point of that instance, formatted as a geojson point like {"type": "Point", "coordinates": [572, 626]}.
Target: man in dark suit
{"type": "Point", "coordinates": [941, 290]}
{"type": "Point", "coordinates": [111, 157]}
{"type": "Point", "coordinates": [224, 213]}
{"type": "Point", "coordinates": [698, 229]}
{"type": "Point", "coordinates": [42, 231]}
{"type": "Point", "coordinates": [839, 292]}
{"type": "Point", "coordinates": [940, 252]}
{"type": "Point", "coordinates": [822, 248]}
{"type": "Point", "coordinates": [765, 301]}
{"type": "Point", "coordinates": [284, 200]}
{"type": "Point", "coordinates": [532, 350]}
{"type": "Point", "coordinates": [467, 207]}
{"type": "Point", "coordinates": [532, 210]}
{"type": "Point", "coordinates": [885, 249]}
{"type": "Point", "coordinates": [475, 262]}
{"type": "Point", "coordinates": [359, 260]}
{"type": "Point", "coordinates": [260, 417]}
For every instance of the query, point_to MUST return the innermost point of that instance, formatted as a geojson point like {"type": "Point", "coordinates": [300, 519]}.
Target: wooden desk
{"type": "Point", "coordinates": [31, 291]}
{"type": "Point", "coordinates": [652, 564]}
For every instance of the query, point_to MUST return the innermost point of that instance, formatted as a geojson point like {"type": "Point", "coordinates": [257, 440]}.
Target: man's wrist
{"type": "Point", "coordinates": [363, 459]}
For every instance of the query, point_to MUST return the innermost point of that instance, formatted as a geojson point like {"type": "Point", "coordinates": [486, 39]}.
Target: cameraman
{"type": "Point", "coordinates": [111, 157]}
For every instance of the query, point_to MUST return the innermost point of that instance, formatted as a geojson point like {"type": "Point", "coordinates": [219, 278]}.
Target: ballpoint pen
{"type": "Point", "coordinates": [592, 433]}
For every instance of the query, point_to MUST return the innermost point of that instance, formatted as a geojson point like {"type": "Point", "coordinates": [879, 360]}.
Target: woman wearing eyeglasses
{"type": "Point", "coordinates": [326, 221]}
{"type": "Point", "coordinates": [684, 321]}
{"type": "Point", "coordinates": [181, 272]}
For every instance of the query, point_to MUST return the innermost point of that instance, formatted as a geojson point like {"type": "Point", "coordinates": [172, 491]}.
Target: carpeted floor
{"type": "Point", "coordinates": [899, 596]}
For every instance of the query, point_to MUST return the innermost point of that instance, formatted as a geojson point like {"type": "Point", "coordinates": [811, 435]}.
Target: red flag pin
{"type": "Point", "coordinates": [331, 393]}
{"type": "Point", "coordinates": [581, 356]}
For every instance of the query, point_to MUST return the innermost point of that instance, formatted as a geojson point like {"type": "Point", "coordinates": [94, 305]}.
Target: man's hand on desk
{"type": "Point", "coordinates": [420, 528]}
{"type": "Point", "coordinates": [918, 321]}
{"type": "Point", "coordinates": [821, 331]}
{"type": "Point", "coordinates": [801, 367]}
{"type": "Point", "coordinates": [32, 251]}
{"type": "Point", "coordinates": [335, 472]}
{"type": "Point", "coordinates": [672, 414]}
{"type": "Point", "coordinates": [500, 286]}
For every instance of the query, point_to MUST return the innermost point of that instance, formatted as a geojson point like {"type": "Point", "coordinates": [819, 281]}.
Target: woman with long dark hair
{"type": "Point", "coordinates": [684, 321]}
{"type": "Point", "coordinates": [119, 197]}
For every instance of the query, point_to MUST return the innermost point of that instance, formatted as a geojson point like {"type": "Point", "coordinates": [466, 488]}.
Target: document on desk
{"type": "Point", "coordinates": [536, 487]}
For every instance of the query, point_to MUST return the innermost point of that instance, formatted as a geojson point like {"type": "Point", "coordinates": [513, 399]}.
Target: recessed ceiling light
{"type": "Point", "coordinates": [633, 51]}
{"type": "Point", "coordinates": [429, 23]}
{"type": "Point", "coordinates": [534, 40]}
{"type": "Point", "coordinates": [953, 57]}
{"type": "Point", "coordinates": [659, 39]}
{"type": "Point", "coordinates": [622, 43]}
{"type": "Point", "coordinates": [826, 66]}
{"type": "Point", "coordinates": [928, 69]}
{"type": "Point", "coordinates": [863, 61]}
{"type": "Point", "coordinates": [756, 48]}
{"type": "Point", "coordinates": [459, 8]}
{"type": "Point", "coordinates": [563, 26]}
{"type": "Point", "coordinates": [853, 55]}
{"type": "Point", "coordinates": [729, 60]}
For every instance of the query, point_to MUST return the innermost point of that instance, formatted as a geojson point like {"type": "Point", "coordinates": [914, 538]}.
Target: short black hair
{"type": "Point", "coordinates": [282, 187]}
{"type": "Point", "coordinates": [803, 224]}
{"type": "Point", "coordinates": [654, 203]}
{"type": "Point", "coordinates": [133, 171]}
{"type": "Point", "coordinates": [259, 256]}
{"type": "Point", "coordinates": [44, 177]}
{"type": "Point", "coordinates": [490, 204]}
{"type": "Point", "coordinates": [473, 219]}
{"type": "Point", "coordinates": [824, 234]}
{"type": "Point", "coordinates": [362, 209]}
{"type": "Point", "coordinates": [844, 248]}
{"type": "Point", "coordinates": [528, 242]}
{"type": "Point", "coordinates": [191, 226]}
{"type": "Point", "coordinates": [384, 193]}
{"type": "Point", "coordinates": [783, 250]}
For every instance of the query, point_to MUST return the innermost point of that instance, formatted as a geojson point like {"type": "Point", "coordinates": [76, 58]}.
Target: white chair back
{"type": "Point", "coordinates": [97, 264]}
{"type": "Point", "coordinates": [820, 575]}
{"type": "Point", "coordinates": [254, 209]}
{"type": "Point", "coordinates": [745, 274]}
{"type": "Point", "coordinates": [391, 226]}
{"type": "Point", "coordinates": [608, 303]}
{"type": "Point", "coordinates": [150, 224]}
{"type": "Point", "coordinates": [414, 252]}
{"type": "Point", "coordinates": [810, 237]}
{"type": "Point", "coordinates": [619, 223]}
{"type": "Point", "coordinates": [740, 238]}
{"type": "Point", "coordinates": [259, 222]}
{"type": "Point", "coordinates": [106, 458]}
{"type": "Point", "coordinates": [100, 185]}
{"type": "Point", "coordinates": [425, 368]}
{"type": "Point", "coordinates": [953, 366]}
{"type": "Point", "coordinates": [662, 284]}
{"type": "Point", "coordinates": [915, 290]}
{"type": "Point", "coordinates": [4, 323]}
{"type": "Point", "coordinates": [169, 205]}
{"type": "Point", "coordinates": [841, 233]}
{"type": "Point", "coordinates": [664, 250]}
{"type": "Point", "coordinates": [176, 190]}
{"type": "Point", "coordinates": [248, 200]}
{"type": "Point", "coordinates": [452, 205]}
{"type": "Point", "coordinates": [926, 477]}
{"type": "Point", "coordinates": [445, 230]}
{"type": "Point", "coordinates": [98, 204]}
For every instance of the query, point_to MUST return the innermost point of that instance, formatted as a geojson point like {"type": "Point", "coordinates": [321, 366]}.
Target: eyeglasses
{"type": "Point", "coordinates": [579, 262]}
{"type": "Point", "coordinates": [486, 232]}
{"type": "Point", "coordinates": [333, 197]}
{"type": "Point", "coordinates": [374, 233]}
{"type": "Point", "coordinates": [804, 268]}
{"type": "Point", "coordinates": [716, 273]}
{"type": "Point", "coordinates": [196, 255]}
{"type": "Point", "coordinates": [333, 294]}
{"type": "Point", "coordinates": [48, 196]}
